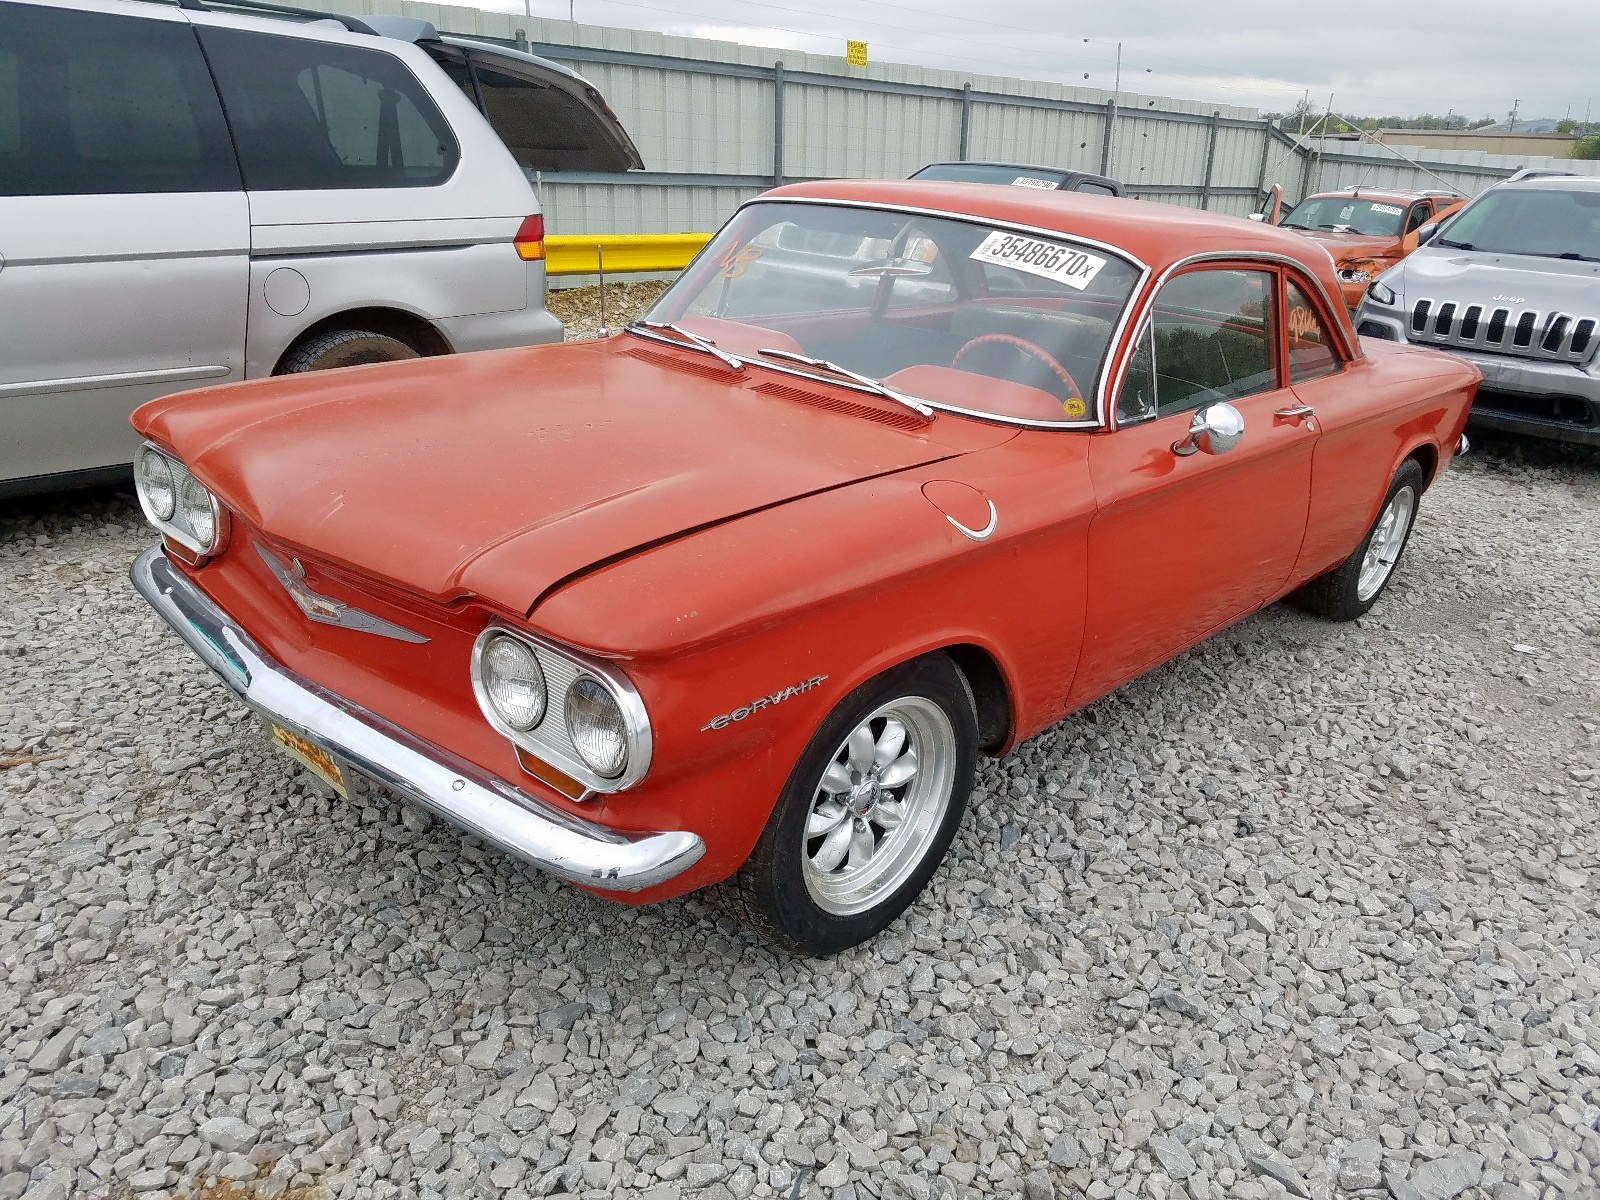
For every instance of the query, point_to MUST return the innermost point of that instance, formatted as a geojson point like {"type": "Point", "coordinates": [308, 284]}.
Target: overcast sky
{"type": "Point", "coordinates": [1376, 57]}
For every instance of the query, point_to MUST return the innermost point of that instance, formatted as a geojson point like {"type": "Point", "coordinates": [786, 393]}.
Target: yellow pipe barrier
{"type": "Point", "coordinates": [580, 254]}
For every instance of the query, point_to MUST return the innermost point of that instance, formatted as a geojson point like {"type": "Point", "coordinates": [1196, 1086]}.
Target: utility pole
{"type": "Point", "coordinates": [1511, 125]}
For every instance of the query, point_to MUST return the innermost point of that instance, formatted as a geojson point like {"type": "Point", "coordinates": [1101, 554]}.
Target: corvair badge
{"type": "Point", "coordinates": [760, 702]}
{"type": "Point", "coordinates": [327, 610]}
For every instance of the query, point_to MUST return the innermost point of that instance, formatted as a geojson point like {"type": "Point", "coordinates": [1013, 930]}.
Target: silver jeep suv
{"type": "Point", "coordinates": [1511, 283]}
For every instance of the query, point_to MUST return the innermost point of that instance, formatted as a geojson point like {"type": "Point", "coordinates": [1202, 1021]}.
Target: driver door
{"type": "Point", "coordinates": [1182, 545]}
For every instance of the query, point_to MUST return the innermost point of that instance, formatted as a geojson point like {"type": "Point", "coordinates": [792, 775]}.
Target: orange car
{"type": "Point", "coordinates": [1367, 230]}
{"type": "Point", "coordinates": [894, 475]}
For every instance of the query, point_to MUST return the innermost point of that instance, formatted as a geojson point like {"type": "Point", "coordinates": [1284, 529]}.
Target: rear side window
{"type": "Point", "coordinates": [92, 104]}
{"type": "Point", "coordinates": [317, 115]}
{"type": "Point", "coordinates": [1311, 352]}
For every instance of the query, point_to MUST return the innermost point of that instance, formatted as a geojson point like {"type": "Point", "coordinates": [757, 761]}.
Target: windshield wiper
{"type": "Point", "coordinates": [1578, 257]}
{"type": "Point", "coordinates": [694, 339]}
{"type": "Point", "coordinates": [1449, 245]}
{"type": "Point", "coordinates": [866, 381]}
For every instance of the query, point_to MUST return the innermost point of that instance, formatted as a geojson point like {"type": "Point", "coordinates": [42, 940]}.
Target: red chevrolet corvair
{"type": "Point", "coordinates": [895, 474]}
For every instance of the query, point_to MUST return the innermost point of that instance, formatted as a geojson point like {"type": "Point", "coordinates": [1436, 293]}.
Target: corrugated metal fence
{"type": "Point", "coordinates": [719, 122]}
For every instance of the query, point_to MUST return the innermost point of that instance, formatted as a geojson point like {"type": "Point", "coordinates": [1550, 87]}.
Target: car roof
{"type": "Point", "coordinates": [1553, 182]}
{"type": "Point", "coordinates": [1366, 193]}
{"type": "Point", "coordinates": [1158, 235]}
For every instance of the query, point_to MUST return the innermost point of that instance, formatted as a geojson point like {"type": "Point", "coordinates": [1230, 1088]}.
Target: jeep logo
{"type": "Point", "coordinates": [1508, 299]}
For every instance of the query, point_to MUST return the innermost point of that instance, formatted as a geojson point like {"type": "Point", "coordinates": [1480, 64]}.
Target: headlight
{"type": "Point", "coordinates": [564, 710]}
{"type": "Point", "coordinates": [514, 683]}
{"type": "Point", "coordinates": [595, 723]}
{"type": "Point", "coordinates": [179, 505]}
{"type": "Point", "coordinates": [1352, 276]}
{"type": "Point", "coordinates": [155, 486]}
{"type": "Point", "coordinates": [1380, 293]}
{"type": "Point", "coordinates": [197, 512]}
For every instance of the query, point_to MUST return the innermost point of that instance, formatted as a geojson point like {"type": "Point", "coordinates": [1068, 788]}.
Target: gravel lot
{"type": "Point", "coordinates": [1311, 911]}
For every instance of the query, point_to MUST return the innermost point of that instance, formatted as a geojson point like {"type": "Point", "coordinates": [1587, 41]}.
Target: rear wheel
{"type": "Point", "coordinates": [344, 348]}
{"type": "Point", "coordinates": [867, 814]}
{"type": "Point", "coordinates": [1351, 588]}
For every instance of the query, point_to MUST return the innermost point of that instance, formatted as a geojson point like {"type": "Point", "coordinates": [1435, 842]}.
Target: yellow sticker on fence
{"type": "Point", "coordinates": [855, 53]}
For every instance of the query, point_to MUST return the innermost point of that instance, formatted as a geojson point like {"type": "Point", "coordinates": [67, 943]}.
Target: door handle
{"type": "Point", "coordinates": [1298, 412]}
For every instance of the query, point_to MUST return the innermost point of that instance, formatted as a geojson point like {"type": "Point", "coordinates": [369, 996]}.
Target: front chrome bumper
{"type": "Point", "coordinates": [523, 826]}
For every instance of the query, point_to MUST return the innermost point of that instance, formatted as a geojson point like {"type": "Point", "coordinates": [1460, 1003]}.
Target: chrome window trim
{"type": "Point", "coordinates": [634, 715]}
{"type": "Point", "coordinates": [1351, 343]}
{"type": "Point", "coordinates": [1101, 403]}
{"type": "Point", "coordinates": [171, 529]}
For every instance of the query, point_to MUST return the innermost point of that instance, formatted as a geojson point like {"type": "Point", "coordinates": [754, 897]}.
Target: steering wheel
{"type": "Point", "coordinates": [1028, 348]}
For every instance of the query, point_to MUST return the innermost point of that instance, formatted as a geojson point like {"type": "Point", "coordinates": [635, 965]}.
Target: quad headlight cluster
{"type": "Point", "coordinates": [177, 503]}
{"type": "Point", "coordinates": [583, 718]}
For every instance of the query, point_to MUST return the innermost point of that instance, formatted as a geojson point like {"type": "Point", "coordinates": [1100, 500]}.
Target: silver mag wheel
{"type": "Point", "coordinates": [866, 815]}
{"type": "Point", "coordinates": [1387, 541]}
{"type": "Point", "coordinates": [879, 805]}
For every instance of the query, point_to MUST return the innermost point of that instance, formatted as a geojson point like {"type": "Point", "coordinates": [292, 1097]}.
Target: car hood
{"type": "Point", "coordinates": [1347, 247]}
{"type": "Point", "coordinates": [1515, 281]}
{"type": "Point", "coordinates": [504, 474]}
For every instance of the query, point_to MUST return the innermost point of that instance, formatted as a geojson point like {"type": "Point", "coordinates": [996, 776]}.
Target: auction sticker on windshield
{"type": "Point", "coordinates": [1033, 181]}
{"type": "Point", "coordinates": [1390, 209]}
{"type": "Point", "coordinates": [1049, 260]}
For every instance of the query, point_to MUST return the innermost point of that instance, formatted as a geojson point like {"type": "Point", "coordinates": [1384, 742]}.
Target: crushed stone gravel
{"type": "Point", "coordinates": [1312, 911]}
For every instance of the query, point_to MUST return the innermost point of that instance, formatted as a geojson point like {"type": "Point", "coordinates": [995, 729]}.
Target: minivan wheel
{"type": "Point", "coordinates": [344, 348]}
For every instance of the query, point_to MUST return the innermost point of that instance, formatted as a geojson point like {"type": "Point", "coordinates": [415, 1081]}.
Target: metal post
{"type": "Point", "coordinates": [777, 124]}
{"type": "Point", "coordinates": [1305, 170]}
{"type": "Point", "coordinates": [1211, 161]}
{"type": "Point", "coordinates": [966, 120]}
{"type": "Point", "coordinates": [1266, 151]}
{"type": "Point", "coordinates": [521, 38]}
{"type": "Point", "coordinates": [1105, 142]}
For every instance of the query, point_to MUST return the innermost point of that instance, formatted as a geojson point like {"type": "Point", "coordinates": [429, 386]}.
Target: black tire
{"type": "Point", "coordinates": [783, 892]}
{"type": "Point", "coordinates": [344, 348]}
{"type": "Point", "coordinates": [1338, 595]}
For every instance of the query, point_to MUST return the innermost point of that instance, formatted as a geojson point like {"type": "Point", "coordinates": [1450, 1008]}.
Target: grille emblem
{"type": "Point", "coordinates": [327, 610]}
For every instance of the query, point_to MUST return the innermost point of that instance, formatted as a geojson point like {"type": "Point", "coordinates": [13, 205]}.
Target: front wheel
{"type": "Point", "coordinates": [1353, 587]}
{"type": "Point", "coordinates": [867, 814]}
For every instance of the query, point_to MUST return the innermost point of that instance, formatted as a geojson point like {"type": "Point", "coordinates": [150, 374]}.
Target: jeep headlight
{"type": "Point", "coordinates": [1381, 293]}
{"type": "Point", "coordinates": [563, 709]}
{"type": "Point", "coordinates": [178, 504]}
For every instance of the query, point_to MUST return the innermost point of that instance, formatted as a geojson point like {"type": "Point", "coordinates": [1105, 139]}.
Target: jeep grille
{"type": "Point", "coordinates": [1557, 336]}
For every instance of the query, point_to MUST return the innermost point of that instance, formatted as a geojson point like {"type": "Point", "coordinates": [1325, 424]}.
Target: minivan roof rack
{"type": "Point", "coordinates": [353, 24]}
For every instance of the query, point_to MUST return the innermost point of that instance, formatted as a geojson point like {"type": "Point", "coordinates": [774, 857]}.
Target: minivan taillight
{"type": "Point", "coordinates": [529, 239]}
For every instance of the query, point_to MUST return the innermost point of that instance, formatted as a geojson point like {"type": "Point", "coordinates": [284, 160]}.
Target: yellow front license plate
{"type": "Point", "coordinates": [321, 764]}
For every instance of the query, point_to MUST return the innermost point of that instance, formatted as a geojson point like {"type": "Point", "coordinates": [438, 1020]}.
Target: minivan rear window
{"type": "Point", "coordinates": [96, 104]}
{"type": "Point", "coordinates": [309, 114]}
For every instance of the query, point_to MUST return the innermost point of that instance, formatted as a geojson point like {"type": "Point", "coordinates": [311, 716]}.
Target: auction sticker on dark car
{"type": "Point", "coordinates": [1048, 259]}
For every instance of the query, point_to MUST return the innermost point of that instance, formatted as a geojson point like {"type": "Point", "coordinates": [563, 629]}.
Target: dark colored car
{"type": "Point", "coordinates": [1052, 179]}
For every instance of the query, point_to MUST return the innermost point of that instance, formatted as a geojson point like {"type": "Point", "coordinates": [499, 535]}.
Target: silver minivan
{"type": "Point", "coordinates": [192, 195]}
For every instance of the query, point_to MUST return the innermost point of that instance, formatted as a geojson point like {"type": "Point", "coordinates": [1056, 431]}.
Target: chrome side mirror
{"type": "Point", "coordinates": [1215, 429]}
{"type": "Point", "coordinates": [1425, 232]}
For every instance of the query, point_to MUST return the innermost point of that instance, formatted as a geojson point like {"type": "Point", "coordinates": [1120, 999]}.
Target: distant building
{"type": "Point", "coordinates": [1490, 140]}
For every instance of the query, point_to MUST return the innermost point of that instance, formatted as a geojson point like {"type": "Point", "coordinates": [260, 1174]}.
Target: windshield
{"type": "Point", "coordinates": [1546, 222]}
{"type": "Point", "coordinates": [960, 315]}
{"type": "Point", "coordinates": [1342, 214]}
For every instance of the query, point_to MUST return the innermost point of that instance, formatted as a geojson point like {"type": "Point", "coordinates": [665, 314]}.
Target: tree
{"type": "Point", "coordinates": [1588, 147]}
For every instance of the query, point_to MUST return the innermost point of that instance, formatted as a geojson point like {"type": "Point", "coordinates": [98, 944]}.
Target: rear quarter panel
{"type": "Point", "coordinates": [1394, 402]}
